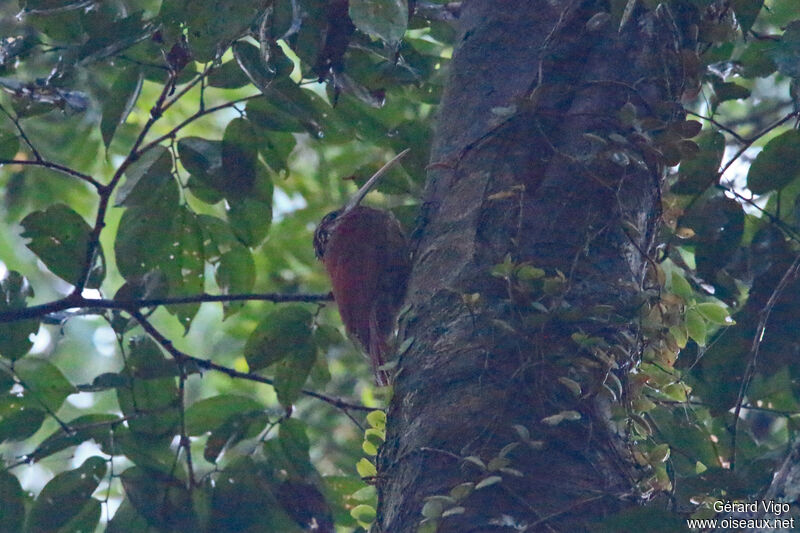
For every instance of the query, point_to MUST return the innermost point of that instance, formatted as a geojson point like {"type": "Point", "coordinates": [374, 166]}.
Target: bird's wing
{"type": "Point", "coordinates": [352, 262]}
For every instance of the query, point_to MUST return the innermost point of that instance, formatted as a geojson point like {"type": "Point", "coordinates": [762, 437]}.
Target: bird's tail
{"type": "Point", "coordinates": [377, 353]}
{"type": "Point", "coordinates": [378, 350]}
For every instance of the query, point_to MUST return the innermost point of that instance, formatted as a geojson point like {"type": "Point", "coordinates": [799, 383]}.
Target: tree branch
{"type": "Point", "coordinates": [56, 167]}
{"type": "Point", "coordinates": [38, 159]}
{"type": "Point", "coordinates": [22, 134]}
{"type": "Point", "coordinates": [790, 275]}
{"type": "Point", "coordinates": [205, 364]}
{"type": "Point", "coordinates": [746, 144]}
{"type": "Point", "coordinates": [73, 302]}
{"type": "Point", "coordinates": [106, 191]}
{"type": "Point", "coordinates": [194, 117]}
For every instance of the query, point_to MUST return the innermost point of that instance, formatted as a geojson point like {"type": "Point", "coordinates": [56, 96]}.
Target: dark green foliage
{"type": "Point", "coordinates": [192, 140]}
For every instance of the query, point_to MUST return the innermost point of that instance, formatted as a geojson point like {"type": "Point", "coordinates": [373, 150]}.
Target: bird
{"type": "Point", "coordinates": [367, 257]}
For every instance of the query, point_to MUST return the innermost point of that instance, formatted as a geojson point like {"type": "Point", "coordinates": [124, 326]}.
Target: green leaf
{"type": "Point", "coordinates": [755, 60]}
{"type": "Point", "coordinates": [86, 427]}
{"type": "Point", "coordinates": [282, 334]}
{"type": "Point", "coordinates": [696, 327]}
{"type": "Point", "coordinates": [161, 499]}
{"type": "Point", "coordinates": [9, 145]}
{"type": "Point", "coordinates": [296, 446]}
{"type": "Point", "coordinates": [66, 496]}
{"type": "Point", "coordinates": [15, 336]}
{"type": "Point", "coordinates": [375, 436]}
{"type": "Point", "coordinates": [681, 287]}
{"type": "Point", "coordinates": [698, 173]}
{"type": "Point", "coordinates": [239, 157]}
{"type": "Point", "coordinates": [149, 181]}
{"type": "Point", "coordinates": [786, 53]}
{"type": "Point", "coordinates": [300, 103]}
{"type": "Point", "coordinates": [120, 102]}
{"type": "Point", "coordinates": [213, 24]}
{"type": "Point", "coordinates": [126, 519]}
{"type": "Point", "coordinates": [6, 380]}
{"type": "Point", "coordinates": [680, 334]}
{"type": "Point", "coordinates": [140, 246]}
{"type": "Point", "coordinates": [60, 238]}
{"type": "Point", "coordinates": [363, 513]}
{"type": "Point", "coordinates": [676, 391]}
{"type": "Point", "coordinates": [326, 336]}
{"type": "Point", "coordinates": [291, 374]}
{"type": "Point", "coordinates": [385, 19]}
{"type": "Point", "coordinates": [44, 381]}
{"type": "Point", "coordinates": [365, 468]}
{"type": "Point", "coordinates": [236, 273]}
{"type": "Point", "coordinates": [462, 490]}
{"type": "Point", "coordinates": [237, 426]}
{"type": "Point", "coordinates": [146, 361]}
{"type": "Point", "coordinates": [12, 512]}
{"type": "Point", "coordinates": [250, 220]}
{"type": "Point", "coordinates": [248, 57]}
{"type": "Point", "coordinates": [724, 91]}
{"type": "Point", "coordinates": [488, 481]}
{"type": "Point", "coordinates": [217, 237]}
{"type": "Point", "coordinates": [275, 148]}
{"type": "Point", "coordinates": [62, 26]}
{"type": "Point", "coordinates": [228, 76]}
{"type": "Point", "coordinates": [151, 403]}
{"type": "Point", "coordinates": [210, 413]}
{"type": "Point", "coordinates": [715, 313]}
{"type": "Point", "coordinates": [777, 164]}
{"type": "Point", "coordinates": [273, 117]}
{"type": "Point", "coordinates": [185, 264]}
{"type": "Point", "coordinates": [19, 417]}
{"type": "Point", "coordinates": [200, 156]}
{"type": "Point", "coordinates": [167, 239]}
{"type": "Point", "coordinates": [150, 285]}
{"type": "Point", "coordinates": [377, 419]}
{"type": "Point", "coordinates": [109, 36]}
{"type": "Point", "coordinates": [145, 450]}
{"type": "Point", "coordinates": [86, 519]}
{"type": "Point", "coordinates": [244, 500]}
{"type": "Point", "coordinates": [369, 448]}
{"type": "Point", "coordinates": [746, 12]}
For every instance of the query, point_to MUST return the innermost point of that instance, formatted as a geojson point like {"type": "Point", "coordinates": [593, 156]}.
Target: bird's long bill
{"type": "Point", "coordinates": [362, 192]}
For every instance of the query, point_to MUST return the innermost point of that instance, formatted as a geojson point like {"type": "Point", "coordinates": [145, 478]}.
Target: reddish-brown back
{"type": "Point", "coordinates": [367, 259]}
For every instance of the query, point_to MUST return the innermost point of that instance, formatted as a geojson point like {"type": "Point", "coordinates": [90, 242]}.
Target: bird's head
{"type": "Point", "coordinates": [323, 232]}
{"type": "Point", "coordinates": [328, 223]}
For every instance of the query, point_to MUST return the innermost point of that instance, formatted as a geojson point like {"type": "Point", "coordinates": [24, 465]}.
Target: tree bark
{"type": "Point", "coordinates": [498, 352]}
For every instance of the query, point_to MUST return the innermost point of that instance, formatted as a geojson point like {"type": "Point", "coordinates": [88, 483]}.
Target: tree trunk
{"type": "Point", "coordinates": [514, 388]}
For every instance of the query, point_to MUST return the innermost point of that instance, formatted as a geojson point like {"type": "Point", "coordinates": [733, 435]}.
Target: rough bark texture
{"type": "Point", "coordinates": [514, 175]}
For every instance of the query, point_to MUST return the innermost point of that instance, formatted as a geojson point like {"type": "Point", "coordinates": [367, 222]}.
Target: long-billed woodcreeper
{"type": "Point", "coordinates": [367, 257]}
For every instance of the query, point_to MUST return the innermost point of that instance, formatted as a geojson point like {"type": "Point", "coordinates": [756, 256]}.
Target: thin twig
{"type": "Point", "coordinates": [39, 160]}
{"type": "Point", "coordinates": [185, 441]}
{"type": "Point", "coordinates": [22, 134]}
{"type": "Point", "coordinates": [56, 167]}
{"type": "Point", "coordinates": [783, 226]}
{"type": "Point", "coordinates": [194, 117]}
{"type": "Point", "coordinates": [106, 191]}
{"type": "Point", "coordinates": [73, 302]}
{"type": "Point", "coordinates": [34, 393]}
{"type": "Point", "coordinates": [790, 274]}
{"type": "Point", "coordinates": [724, 128]}
{"type": "Point", "coordinates": [205, 364]}
{"type": "Point", "coordinates": [746, 144]}
{"type": "Point", "coordinates": [188, 87]}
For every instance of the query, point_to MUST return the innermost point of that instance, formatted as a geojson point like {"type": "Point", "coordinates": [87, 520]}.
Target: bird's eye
{"type": "Point", "coordinates": [330, 217]}
{"type": "Point", "coordinates": [322, 233]}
